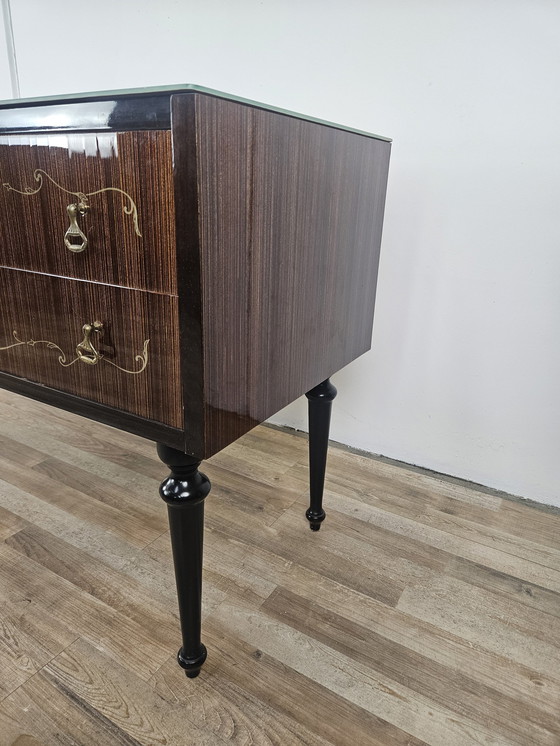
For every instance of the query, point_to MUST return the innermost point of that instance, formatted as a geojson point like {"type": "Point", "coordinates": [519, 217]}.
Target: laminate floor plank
{"type": "Point", "coordinates": [48, 441]}
{"type": "Point", "coordinates": [27, 642]}
{"type": "Point", "coordinates": [64, 427]}
{"type": "Point", "coordinates": [105, 491]}
{"type": "Point", "coordinates": [405, 484]}
{"type": "Point", "coordinates": [357, 682]}
{"type": "Point", "coordinates": [424, 613]}
{"type": "Point", "coordinates": [131, 598]}
{"type": "Point", "coordinates": [62, 523]}
{"type": "Point", "coordinates": [10, 523]}
{"type": "Point", "coordinates": [68, 424]}
{"type": "Point", "coordinates": [82, 697]}
{"type": "Point", "coordinates": [73, 609]}
{"type": "Point", "coordinates": [254, 565]}
{"type": "Point", "coordinates": [231, 711]}
{"type": "Point", "coordinates": [493, 622]}
{"type": "Point", "coordinates": [397, 556]}
{"type": "Point", "coordinates": [249, 463]}
{"type": "Point", "coordinates": [406, 491]}
{"type": "Point", "coordinates": [79, 503]}
{"type": "Point", "coordinates": [355, 572]}
{"type": "Point", "coordinates": [463, 528]}
{"type": "Point", "coordinates": [258, 500]}
{"type": "Point", "coordinates": [225, 570]}
{"type": "Point", "coordinates": [507, 586]}
{"type": "Point", "coordinates": [539, 526]}
{"type": "Point", "coordinates": [40, 636]}
{"type": "Point", "coordinates": [19, 453]}
{"type": "Point", "coordinates": [490, 669]}
{"type": "Point", "coordinates": [445, 538]}
{"type": "Point", "coordinates": [447, 687]}
{"type": "Point", "coordinates": [293, 694]}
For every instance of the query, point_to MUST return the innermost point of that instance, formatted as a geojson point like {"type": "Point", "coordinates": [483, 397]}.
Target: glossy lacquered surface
{"type": "Point", "coordinates": [127, 178]}
{"type": "Point", "coordinates": [184, 491]}
{"type": "Point", "coordinates": [41, 320]}
{"type": "Point", "coordinates": [149, 112]}
{"type": "Point", "coordinates": [278, 236]}
{"type": "Point", "coordinates": [320, 401]}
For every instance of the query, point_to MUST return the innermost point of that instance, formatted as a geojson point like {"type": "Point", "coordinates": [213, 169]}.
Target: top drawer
{"type": "Point", "coordinates": [122, 186]}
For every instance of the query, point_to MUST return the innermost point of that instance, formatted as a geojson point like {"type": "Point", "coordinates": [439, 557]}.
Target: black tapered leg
{"type": "Point", "coordinates": [184, 491]}
{"type": "Point", "coordinates": [319, 404]}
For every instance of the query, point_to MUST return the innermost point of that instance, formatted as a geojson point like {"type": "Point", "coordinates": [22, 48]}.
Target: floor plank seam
{"type": "Point", "coordinates": [157, 538]}
{"type": "Point", "coordinates": [40, 669]}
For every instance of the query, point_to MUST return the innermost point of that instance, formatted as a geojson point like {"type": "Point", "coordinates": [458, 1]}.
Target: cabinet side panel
{"type": "Point", "coordinates": [290, 228]}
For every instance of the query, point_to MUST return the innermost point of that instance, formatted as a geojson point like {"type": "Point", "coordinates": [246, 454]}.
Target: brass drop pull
{"type": "Point", "coordinates": [74, 239]}
{"type": "Point", "coordinates": [86, 351]}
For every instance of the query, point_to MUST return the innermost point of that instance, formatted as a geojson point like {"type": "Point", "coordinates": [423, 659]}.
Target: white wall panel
{"type": "Point", "coordinates": [6, 88]}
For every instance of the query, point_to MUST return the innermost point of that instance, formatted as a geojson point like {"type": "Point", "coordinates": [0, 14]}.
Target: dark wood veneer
{"type": "Point", "coordinates": [32, 227]}
{"type": "Point", "coordinates": [42, 307]}
{"type": "Point", "coordinates": [285, 237]}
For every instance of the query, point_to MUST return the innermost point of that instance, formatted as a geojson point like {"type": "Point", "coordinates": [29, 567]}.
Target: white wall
{"type": "Point", "coordinates": [465, 368]}
{"type": "Point", "coordinates": [6, 90]}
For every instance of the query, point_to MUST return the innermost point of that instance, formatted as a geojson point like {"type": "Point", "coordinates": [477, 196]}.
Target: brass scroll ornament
{"type": "Point", "coordinates": [86, 350]}
{"type": "Point", "coordinates": [75, 239]}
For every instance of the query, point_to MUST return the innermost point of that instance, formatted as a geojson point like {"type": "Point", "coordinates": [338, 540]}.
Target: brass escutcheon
{"type": "Point", "coordinates": [85, 351]}
{"type": "Point", "coordinates": [74, 239]}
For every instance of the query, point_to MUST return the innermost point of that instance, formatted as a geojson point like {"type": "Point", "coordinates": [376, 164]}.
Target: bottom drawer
{"type": "Point", "coordinates": [129, 360]}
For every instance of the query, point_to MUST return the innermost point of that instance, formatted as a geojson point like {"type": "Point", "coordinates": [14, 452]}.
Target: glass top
{"type": "Point", "coordinates": [170, 89]}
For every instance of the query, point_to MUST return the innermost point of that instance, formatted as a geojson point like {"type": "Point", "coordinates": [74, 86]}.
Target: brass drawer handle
{"type": "Point", "coordinates": [85, 351]}
{"type": "Point", "coordinates": [74, 239]}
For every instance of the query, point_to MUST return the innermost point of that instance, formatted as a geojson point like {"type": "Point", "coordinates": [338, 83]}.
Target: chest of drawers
{"type": "Point", "coordinates": [182, 264]}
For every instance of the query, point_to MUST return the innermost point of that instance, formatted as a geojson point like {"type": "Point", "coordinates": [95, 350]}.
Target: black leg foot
{"type": "Point", "coordinates": [320, 402]}
{"type": "Point", "coordinates": [192, 666]}
{"type": "Point", "coordinates": [184, 491]}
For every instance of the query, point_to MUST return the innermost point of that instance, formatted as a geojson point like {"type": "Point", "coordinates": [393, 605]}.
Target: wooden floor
{"type": "Point", "coordinates": [424, 612]}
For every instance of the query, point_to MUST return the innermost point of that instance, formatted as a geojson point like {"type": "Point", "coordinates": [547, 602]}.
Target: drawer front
{"type": "Point", "coordinates": [48, 335]}
{"type": "Point", "coordinates": [121, 230]}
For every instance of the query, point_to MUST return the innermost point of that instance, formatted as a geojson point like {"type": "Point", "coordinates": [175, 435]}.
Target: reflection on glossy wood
{"type": "Point", "coordinates": [105, 113]}
{"type": "Point", "coordinates": [128, 179]}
